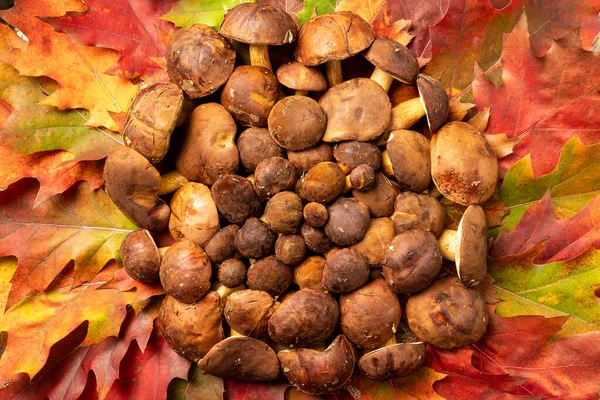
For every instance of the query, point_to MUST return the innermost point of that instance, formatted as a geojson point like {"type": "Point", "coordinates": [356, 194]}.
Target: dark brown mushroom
{"type": "Point", "coordinates": [232, 273]}
{"type": "Point", "coordinates": [309, 273]}
{"type": "Point", "coordinates": [248, 311]}
{"type": "Point", "coordinates": [418, 211]}
{"type": "Point", "coordinates": [345, 271]}
{"type": "Point", "coordinates": [269, 275]}
{"type": "Point", "coordinates": [304, 160]}
{"type": "Point", "coordinates": [352, 154]}
{"type": "Point", "coordinates": [315, 239]}
{"type": "Point", "coordinates": [185, 272]}
{"type": "Point", "coordinates": [323, 183]}
{"type": "Point", "coordinates": [236, 199]}
{"type": "Point", "coordinates": [221, 246]}
{"type": "Point", "coordinates": [274, 175]}
{"type": "Point", "coordinates": [194, 214]}
{"type": "Point", "coordinates": [380, 197]}
{"type": "Point", "coordinates": [302, 79]}
{"type": "Point", "coordinates": [140, 256]}
{"type": "Point", "coordinates": [290, 249]}
{"type": "Point", "coordinates": [255, 239]}
{"type": "Point", "coordinates": [392, 61]}
{"type": "Point", "coordinates": [283, 212]}
{"type": "Point", "coordinates": [297, 122]}
{"type": "Point", "coordinates": [374, 244]}
{"type": "Point", "coordinates": [256, 144]}
{"type": "Point", "coordinates": [315, 214]}
{"type": "Point", "coordinates": [393, 361]}
{"type": "Point", "coordinates": [348, 221]}
{"type": "Point", "coordinates": [362, 178]}
{"type": "Point", "coordinates": [407, 157]}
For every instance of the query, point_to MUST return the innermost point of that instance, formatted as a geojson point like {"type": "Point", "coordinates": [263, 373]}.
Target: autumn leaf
{"type": "Point", "coordinates": [255, 390]}
{"type": "Point", "coordinates": [290, 6]}
{"type": "Point", "coordinates": [418, 385]}
{"type": "Point", "coordinates": [315, 7]}
{"type": "Point", "coordinates": [207, 12]}
{"type": "Point", "coordinates": [200, 386]}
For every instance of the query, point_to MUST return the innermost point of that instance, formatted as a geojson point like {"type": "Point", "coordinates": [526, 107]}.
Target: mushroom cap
{"type": "Point", "coordinates": [348, 221]}
{"type": "Point", "coordinates": [409, 153]}
{"type": "Point", "coordinates": [413, 260]}
{"type": "Point", "coordinates": [297, 76]}
{"type": "Point", "coordinates": [434, 100]}
{"type": "Point", "coordinates": [319, 372]}
{"type": "Point", "coordinates": [199, 60]}
{"type": "Point", "coordinates": [380, 197]}
{"type": "Point", "coordinates": [393, 361]}
{"type": "Point", "coordinates": [270, 275]}
{"type": "Point", "coordinates": [235, 198]}
{"type": "Point", "coordinates": [447, 314]}
{"type": "Point", "coordinates": [256, 144]}
{"type": "Point", "coordinates": [323, 183]}
{"type": "Point", "coordinates": [221, 246]}
{"type": "Point", "coordinates": [140, 256]}
{"type": "Point", "coordinates": [232, 273]}
{"type": "Point", "coordinates": [374, 244]}
{"type": "Point", "coordinates": [274, 175]}
{"type": "Point", "coordinates": [185, 272]}
{"type": "Point", "coordinates": [362, 178]}
{"type": "Point", "coordinates": [248, 311]}
{"type": "Point", "coordinates": [315, 214]}
{"type": "Point", "coordinates": [315, 239]}
{"type": "Point", "coordinates": [283, 212]}
{"type": "Point", "coordinates": [255, 239]}
{"type": "Point", "coordinates": [304, 160]}
{"type": "Point", "coordinates": [350, 116]}
{"type": "Point", "coordinates": [471, 254]}
{"type": "Point", "coordinates": [345, 271]}
{"type": "Point", "coordinates": [352, 154]}
{"type": "Point", "coordinates": [297, 122]}
{"type": "Point", "coordinates": [309, 273]}
{"type": "Point", "coordinates": [194, 214]}
{"type": "Point", "coordinates": [464, 166]}
{"type": "Point", "coordinates": [418, 211]}
{"type": "Point", "coordinates": [259, 23]}
{"type": "Point", "coordinates": [241, 358]}
{"type": "Point", "coordinates": [333, 36]}
{"type": "Point", "coordinates": [392, 57]}
{"type": "Point", "coordinates": [290, 249]}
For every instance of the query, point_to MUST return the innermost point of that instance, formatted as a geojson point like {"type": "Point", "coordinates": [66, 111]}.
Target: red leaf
{"type": "Point", "coordinates": [255, 391]}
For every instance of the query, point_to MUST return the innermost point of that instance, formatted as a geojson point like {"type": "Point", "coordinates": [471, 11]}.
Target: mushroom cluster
{"type": "Point", "coordinates": [306, 239]}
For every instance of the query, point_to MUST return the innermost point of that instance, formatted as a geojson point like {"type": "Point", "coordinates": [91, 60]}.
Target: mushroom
{"type": "Point", "coordinates": [394, 360]}
{"type": "Point", "coordinates": [221, 246]}
{"type": "Point", "coordinates": [232, 273]}
{"type": "Point", "coordinates": [297, 122]}
{"type": "Point", "coordinates": [447, 314]}
{"type": "Point", "coordinates": [259, 25]}
{"type": "Point", "coordinates": [199, 60]}
{"type": "Point", "coordinates": [348, 221]}
{"type": "Point", "coordinates": [345, 271]}
{"type": "Point", "coordinates": [374, 244]}
{"type": "Point", "coordinates": [255, 239]}
{"type": "Point", "coordinates": [352, 154]}
{"type": "Point", "coordinates": [358, 109]}
{"type": "Point", "coordinates": [362, 178]}
{"type": "Point", "coordinates": [315, 214]}
{"type": "Point", "coordinates": [323, 183]}
{"type": "Point", "coordinates": [140, 255]}
{"type": "Point", "coordinates": [250, 93]}
{"type": "Point", "coordinates": [309, 273]}
{"type": "Point", "coordinates": [236, 198]}
{"type": "Point", "coordinates": [412, 261]}
{"type": "Point", "coordinates": [408, 158]}
{"type": "Point", "coordinates": [464, 166]}
{"type": "Point", "coordinates": [467, 246]}
{"type": "Point", "coordinates": [380, 197]}
{"type": "Point", "coordinates": [319, 372]}
{"type": "Point", "coordinates": [283, 212]}
{"type": "Point", "coordinates": [315, 239]}
{"type": "Point", "coordinates": [306, 317]}
{"type": "Point", "coordinates": [209, 150]}
{"type": "Point", "coordinates": [418, 211]}
{"type": "Point", "coordinates": [302, 79]}
{"type": "Point", "coordinates": [270, 275]}
{"type": "Point", "coordinates": [241, 358]}
{"type": "Point", "coordinates": [248, 311]}
{"type": "Point", "coordinates": [274, 175]}
{"type": "Point", "coordinates": [432, 103]}
{"type": "Point", "coordinates": [370, 315]}
{"type": "Point", "coordinates": [132, 184]}
{"type": "Point", "coordinates": [392, 61]}
{"type": "Point", "coordinates": [151, 119]}
{"type": "Point", "coordinates": [256, 144]}
{"type": "Point", "coordinates": [290, 249]}
{"type": "Point", "coordinates": [194, 215]}
{"type": "Point", "coordinates": [333, 37]}
{"type": "Point", "coordinates": [304, 160]}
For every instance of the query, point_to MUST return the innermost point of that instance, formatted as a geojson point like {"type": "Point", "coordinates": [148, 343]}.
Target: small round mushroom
{"type": "Point", "coordinates": [352, 154]}
{"type": "Point", "coordinates": [407, 157]}
{"type": "Point", "coordinates": [283, 212]}
{"type": "Point", "coordinates": [259, 25]}
{"type": "Point", "coordinates": [199, 60]}
{"type": "Point", "coordinates": [362, 178]}
{"type": "Point", "coordinates": [232, 273]}
{"type": "Point", "coordinates": [315, 239]}
{"type": "Point", "coordinates": [418, 211]}
{"type": "Point", "coordinates": [447, 314]}
{"type": "Point", "coordinates": [302, 79]}
{"type": "Point", "coordinates": [151, 119]}
{"type": "Point", "coordinates": [374, 244]}
{"type": "Point", "coordinates": [464, 166]}
{"type": "Point", "coordinates": [315, 214]}
{"type": "Point", "coordinates": [221, 246]}
{"type": "Point", "coordinates": [185, 272]}
{"type": "Point", "coordinates": [412, 261]}
{"type": "Point", "coordinates": [248, 311]}
{"type": "Point", "coordinates": [256, 144]}
{"type": "Point", "coordinates": [236, 199]}
{"type": "Point", "coordinates": [255, 239]}
{"type": "Point", "coordinates": [380, 197]}
{"type": "Point", "coordinates": [194, 214]}
{"type": "Point", "coordinates": [274, 175]}
{"type": "Point", "coordinates": [319, 372]}
{"type": "Point", "coordinates": [304, 160]}
{"type": "Point", "coordinates": [297, 122]}
{"type": "Point", "coordinates": [392, 61]}
{"type": "Point", "coordinates": [132, 184]}
{"type": "Point", "coordinates": [348, 221]}
{"type": "Point", "coordinates": [309, 273]}
{"type": "Point", "coordinates": [345, 271]}
{"type": "Point", "coordinates": [270, 275]}
{"type": "Point", "coordinates": [241, 358]}
{"type": "Point", "coordinates": [140, 256]}
{"type": "Point", "coordinates": [323, 183]}
{"type": "Point", "coordinates": [290, 249]}
{"type": "Point", "coordinates": [393, 361]}
{"type": "Point", "coordinates": [468, 246]}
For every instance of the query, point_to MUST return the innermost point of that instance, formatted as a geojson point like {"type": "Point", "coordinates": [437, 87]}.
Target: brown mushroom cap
{"type": "Point", "coordinates": [309, 273]}
{"type": "Point", "coordinates": [132, 184]}
{"type": "Point", "coordinates": [194, 214]}
{"type": "Point", "coordinates": [393, 361]}
{"type": "Point", "coordinates": [319, 372]}
{"type": "Point", "coordinates": [447, 314]}
{"type": "Point", "coordinates": [185, 272]}
{"type": "Point", "coordinates": [362, 178]}
{"type": "Point", "coordinates": [370, 315]}
{"type": "Point", "coordinates": [297, 76]}
{"type": "Point", "coordinates": [151, 119]}
{"type": "Point", "coordinates": [418, 211]}
{"type": "Point", "coordinates": [232, 273]}
{"type": "Point", "coordinates": [304, 318]}
{"type": "Point", "coordinates": [270, 275]}
{"type": "Point", "coordinates": [333, 36]}
{"type": "Point", "coordinates": [209, 150]}
{"type": "Point", "coordinates": [248, 312]}
{"type": "Point", "coordinates": [192, 329]}
{"type": "Point", "coordinates": [241, 358]}
{"type": "Point", "coordinates": [353, 154]}
{"type": "Point", "coordinates": [304, 160]}
{"type": "Point", "coordinates": [274, 175]}
{"type": "Point", "coordinates": [297, 122]}
{"type": "Point", "coordinates": [380, 197]}
{"type": "Point", "coordinates": [463, 165]}
{"type": "Point", "coordinates": [290, 249]}
{"type": "Point", "coordinates": [315, 214]}
{"type": "Point", "coordinates": [345, 271]}
{"type": "Point", "coordinates": [221, 246]}
{"type": "Point", "coordinates": [374, 244]}
{"type": "Point", "coordinates": [199, 60]}
{"type": "Point", "coordinates": [256, 144]}
{"type": "Point", "coordinates": [350, 116]}
{"type": "Point", "coordinates": [255, 239]}
{"type": "Point", "coordinates": [413, 260]}
{"type": "Point", "coordinates": [236, 199]}
{"type": "Point", "coordinates": [409, 154]}
{"type": "Point", "coordinates": [434, 100]}
{"type": "Point", "coordinates": [140, 256]}
{"type": "Point", "coordinates": [392, 57]}
{"type": "Point", "coordinates": [348, 221]}
{"type": "Point", "coordinates": [250, 93]}
{"type": "Point", "coordinates": [259, 23]}
{"type": "Point", "coordinates": [315, 239]}
{"type": "Point", "coordinates": [283, 212]}
{"type": "Point", "coordinates": [471, 254]}
{"type": "Point", "coordinates": [323, 183]}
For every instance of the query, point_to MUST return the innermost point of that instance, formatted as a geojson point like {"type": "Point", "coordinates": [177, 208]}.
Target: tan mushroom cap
{"type": "Point", "coordinates": [418, 211]}
{"type": "Point", "coordinates": [297, 122]}
{"type": "Point", "coordinates": [471, 254]}
{"type": "Point", "coordinates": [434, 100]}
{"type": "Point", "coordinates": [393, 361]}
{"type": "Point", "coordinates": [297, 76]}
{"type": "Point", "coordinates": [392, 57]}
{"type": "Point", "coordinates": [410, 157]}
{"type": "Point", "coordinates": [194, 214]}
{"type": "Point", "coordinates": [333, 36]}
{"type": "Point", "coordinates": [259, 23]}
{"type": "Point", "coordinates": [140, 256]}
{"type": "Point", "coordinates": [374, 244]}
{"type": "Point", "coordinates": [241, 358]}
{"type": "Point", "coordinates": [248, 312]}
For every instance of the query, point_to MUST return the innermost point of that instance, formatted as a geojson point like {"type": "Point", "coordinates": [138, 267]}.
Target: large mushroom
{"type": "Point", "coordinates": [255, 239]}
{"type": "Point", "coordinates": [380, 196]}
{"type": "Point", "coordinates": [392, 61]}
{"type": "Point", "coordinates": [323, 183]}
{"type": "Point", "coordinates": [408, 159]}
{"type": "Point", "coordinates": [221, 246]}
{"type": "Point", "coordinates": [374, 244]}
{"type": "Point", "coordinates": [283, 212]}
{"type": "Point", "coordinates": [394, 360]}
{"type": "Point", "coordinates": [248, 311]}
{"type": "Point", "coordinates": [297, 122]}
{"type": "Point", "coordinates": [194, 214]}
{"type": "Point", "coordinates": [274, 175]}
{"type": "Point", "coordinates": [141, 257]}
{"type": "Point", "coordinates": [269, 275]}
{"type": "Point", "coordinates": [345, 271]}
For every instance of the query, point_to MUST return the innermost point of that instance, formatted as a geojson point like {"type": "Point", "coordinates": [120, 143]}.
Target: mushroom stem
{"type": "Point", "coordinates": [347, 184]}
{"type": "Point", "coordinates": [224, 291]}
{"type": "Point", "coordinates": [259, 56]}
{"type": "Point", "coordinates": [163, 250]}
{"type": "Point", "coordinates": [334, 73]}
{"type": "Point", "coordinates": [434, 192]}
{"type": "Point", "coordinates": [170, 182]}
{"type": "Point", "coordinates": [391, 342]}
{"type": "Point", "coordinates": [383, 78]}
{"type": "Point", "coordinates": [406, 114]}
{"type": "Point", "coordinates": [448, 241]}
{"type": "Point", "coordinates": [234, 333]}
{"type": "Point", "coordinates": [386, 164]}
{"type": "Point", "coordinates": [301, 93]}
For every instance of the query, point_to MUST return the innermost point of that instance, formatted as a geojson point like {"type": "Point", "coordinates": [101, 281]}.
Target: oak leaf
{"type": "Point", "coordinates": [200, 386]}
{"type": "Point", "coordinates": [207, 12]}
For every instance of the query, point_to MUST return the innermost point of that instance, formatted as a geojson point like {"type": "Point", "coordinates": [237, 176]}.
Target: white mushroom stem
{"type": "Point", "coordinates": [448, 241]}
{"type": "Point", "coordinates": [406, 114]}
{"type": "Point", "coordinates": [301, 93]}
{"type": "Point", "coordinates": [382, 78]}
{"type": "Point", "coordinates": [334, 73]}
{"type": "Point", "coordinates": [234, 333]}
{"type": "Point", "coordinates": [224, 291]}
{"type": "Point", "coordinates": [170, 182]}
{"type": "Point", "coordinates": [386, 164]}
{"type": "Point", "coordinates": [347, 184]}
{"type": "Point", "coordinates": [163, 250]}
{"type": "Point", "coordinates": [259, 56]}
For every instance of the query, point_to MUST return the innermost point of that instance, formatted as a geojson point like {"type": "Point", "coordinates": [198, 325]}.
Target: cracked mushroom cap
{"type": "Point", "coordinates": [434, 100]}
{"type": "Point", "coordinates": [392, 57]}
{"type": "Point", "coordinates": [194, 214]}
{"type": "Point", "coordinates": [241, 358]}
{"type": "Point", "coordinates": [297, 76]}
{"type": "Point", "coordinates": [297, 122]}
{"type": "Point", "coordinates": [418, 211]}
{"type": "Point", "coordinates": [471, 254]}
{"type": "Point", "coordinates": [409, 154]}
{"type": "Point", "coordinates": [140, 256]}
{"type": "Point", "coordinates": [248, 311]}
{"type": "Point", "coordinates": [348, 221]}
{"type": "Point", "coordinates": [259, 23]}
{"type": "Point", "coordinates": [319, 372]}
{"type": "Point", "coordinates": [394, 361]}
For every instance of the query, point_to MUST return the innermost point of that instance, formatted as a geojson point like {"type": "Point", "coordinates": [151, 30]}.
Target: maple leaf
{"type": "Point", "coordinates": [200, 386]}
{"type": "Point", "coordinates": [207, 12]}
{"type": "Point", "coordinates": [133, 28]}
{"type": "Point", "coordinates": [417, 385]}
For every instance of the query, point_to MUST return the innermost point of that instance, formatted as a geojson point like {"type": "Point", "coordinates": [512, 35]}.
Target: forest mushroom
{"type": "Point", "coordinates": [232, 273]}
{"type": "Point", "coordinates": [467, 246]}
{"type": "Point", "coordinates": [255, 239]}
{"type": "Point", "coordinates": [315, 239]}
{"type": "Point", "coordinates": [345, 271]}
{"type": "Point", "coordinates": [140, 255]}
{"type": "Point", "coordinates": [447, 314]}
{"type": "Point", "coordinates": [256, 144]}
{"type": "Point", "coordinates": [394, 360]}
{"type": "Point", "coordinates": [315, 214]}
{"type": "Point", "coordinates": [374, 244]}
{"type": "Point", "coordinates": [432, 103]}
{"type": "Point", "coordinates": [348, 221]}
{"type": "Point", "coordinates": [297, 122]}
{"type": "Point", "coordinates": [260, 26]}
{"type": "Point", "coordinates": [194, 214]}
{"type": "Point", "coordinates": [302, 79]}
{"type": "Point", "coordinates": [248, 312]}
{"type": "Point", "coordinates": [380, 196]}
{"type": "Point", "coordinates": [323, 183]}
{"type": "Point", "coordinates": [221, 246]}
{"type": "Point", "coordinates": [283, 212]}
{"type": "Point", "coordinates": [269, 275]}
{"type": "Point", "coordinates": [362, 178]}
{"type": "Point", "coordinates": [304, 160]}
{"type": "Point", "coordinates": [309, 273]}
{"type": "Point", "coordinates": [330, 38]}
{"type": "Point", "coordinates": [464, 166]}
{"type": "Point", "coordinates": [199, 60]}
{"type": "Point", "coordinates": [408, 159]}
{"type": "Point", "coordinates": [418, 211]}
{"type": "Point", "coordinates": [392, 61]}
{"type": "Point", "coordinates": [290, 249]}
{"type": "Point", "coordinates": [352, 154]}
{"type": "Point", "coordinates": [132, 184]}
{"type": "Point", "coordinates": [274, 175]}
{"type": "Point", "coordinates": [236, 198]}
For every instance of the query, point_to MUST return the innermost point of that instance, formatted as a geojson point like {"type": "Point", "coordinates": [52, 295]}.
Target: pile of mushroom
{"type": "Point", "coordinates": [305, 238]}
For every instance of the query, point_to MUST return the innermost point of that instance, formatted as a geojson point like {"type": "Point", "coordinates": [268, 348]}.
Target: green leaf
{"type": "Point", "coordinates": [208, 12]}
{"type": "Point", "coordinates": [315, 6]}
{"type": "Point", "coordinates": [200, 386]}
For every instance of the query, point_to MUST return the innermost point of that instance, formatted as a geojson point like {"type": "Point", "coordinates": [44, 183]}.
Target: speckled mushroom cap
{"type": "Point", "coordinates": [333, 36]}
{"type": "Point", "coordinates": [297, 76]}
{"type": "Point", "coordinates": [471, 253]}
{"type": "Point", "coordinates": [394, 361]}
{"type": "Point", "coordinates": [435, 101]}
{"type": "Point", "coordinates": [259, 23]}
{"type": "Point", "coordinates": [392, 57]}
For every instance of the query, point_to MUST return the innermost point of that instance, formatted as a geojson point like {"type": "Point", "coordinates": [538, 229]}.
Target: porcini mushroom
{"type": "Point", "coordinates": [297, 122]}
{"type": "Point", "coordinates": [309, 273]}
{"type": "Point", "coordinates": [315, 239]}
{"type": "Point", "coordinates": [418, 211]}
{"type": "Point", "coordinates": [304, 160]}
{"type": "Point", "coordinates": [323, 183]}
{"type": "Point", "coordinates": [256, 144]}
{"type": "Point", "coordinates": [345, 271]}
{"type": "Point", "coordinates": [290, 249]}
{"type": "Point", "coordinates": [302, 79]}
{"type": "Point", "coordinates": [194, 214]}
{"type": "Point", "coordinates": [248, 312]}
{"type": "Point", "coordinates": [352, 154]}
{"type": "Point", "coordinates": [374, 244]}
{"type": "Point", "coordinates": [362, 178]}
{"type": "Point", "coordinates": [392, 61]}
{"type": "Point", "coordinates": [380, 196]}
{"type": "Point", "coordinates": [348, 221]}
{"type": "Point", "coordinates": [236, 198]}
{"type": "Point", "coordinates": [394, 360]}
{"type": "Point", "coordinates": [283, 212]}
{"type": "Point", "coordinates": [255, 239]}
{"type": "Point", "coordinates": [221, 246]}
{"type": "Point", "coordinates": [408, 159]}
{"type": "Point", "coordinates": [140, 255]}
{"type": "Point", "coordinates": [232, 273]}
{"type": "Point", "coordinates": [315, 214]}
{"type": "Point", "coordinates": [274, 175]}
{"type": "Point", "coordinates": [269, 275]}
